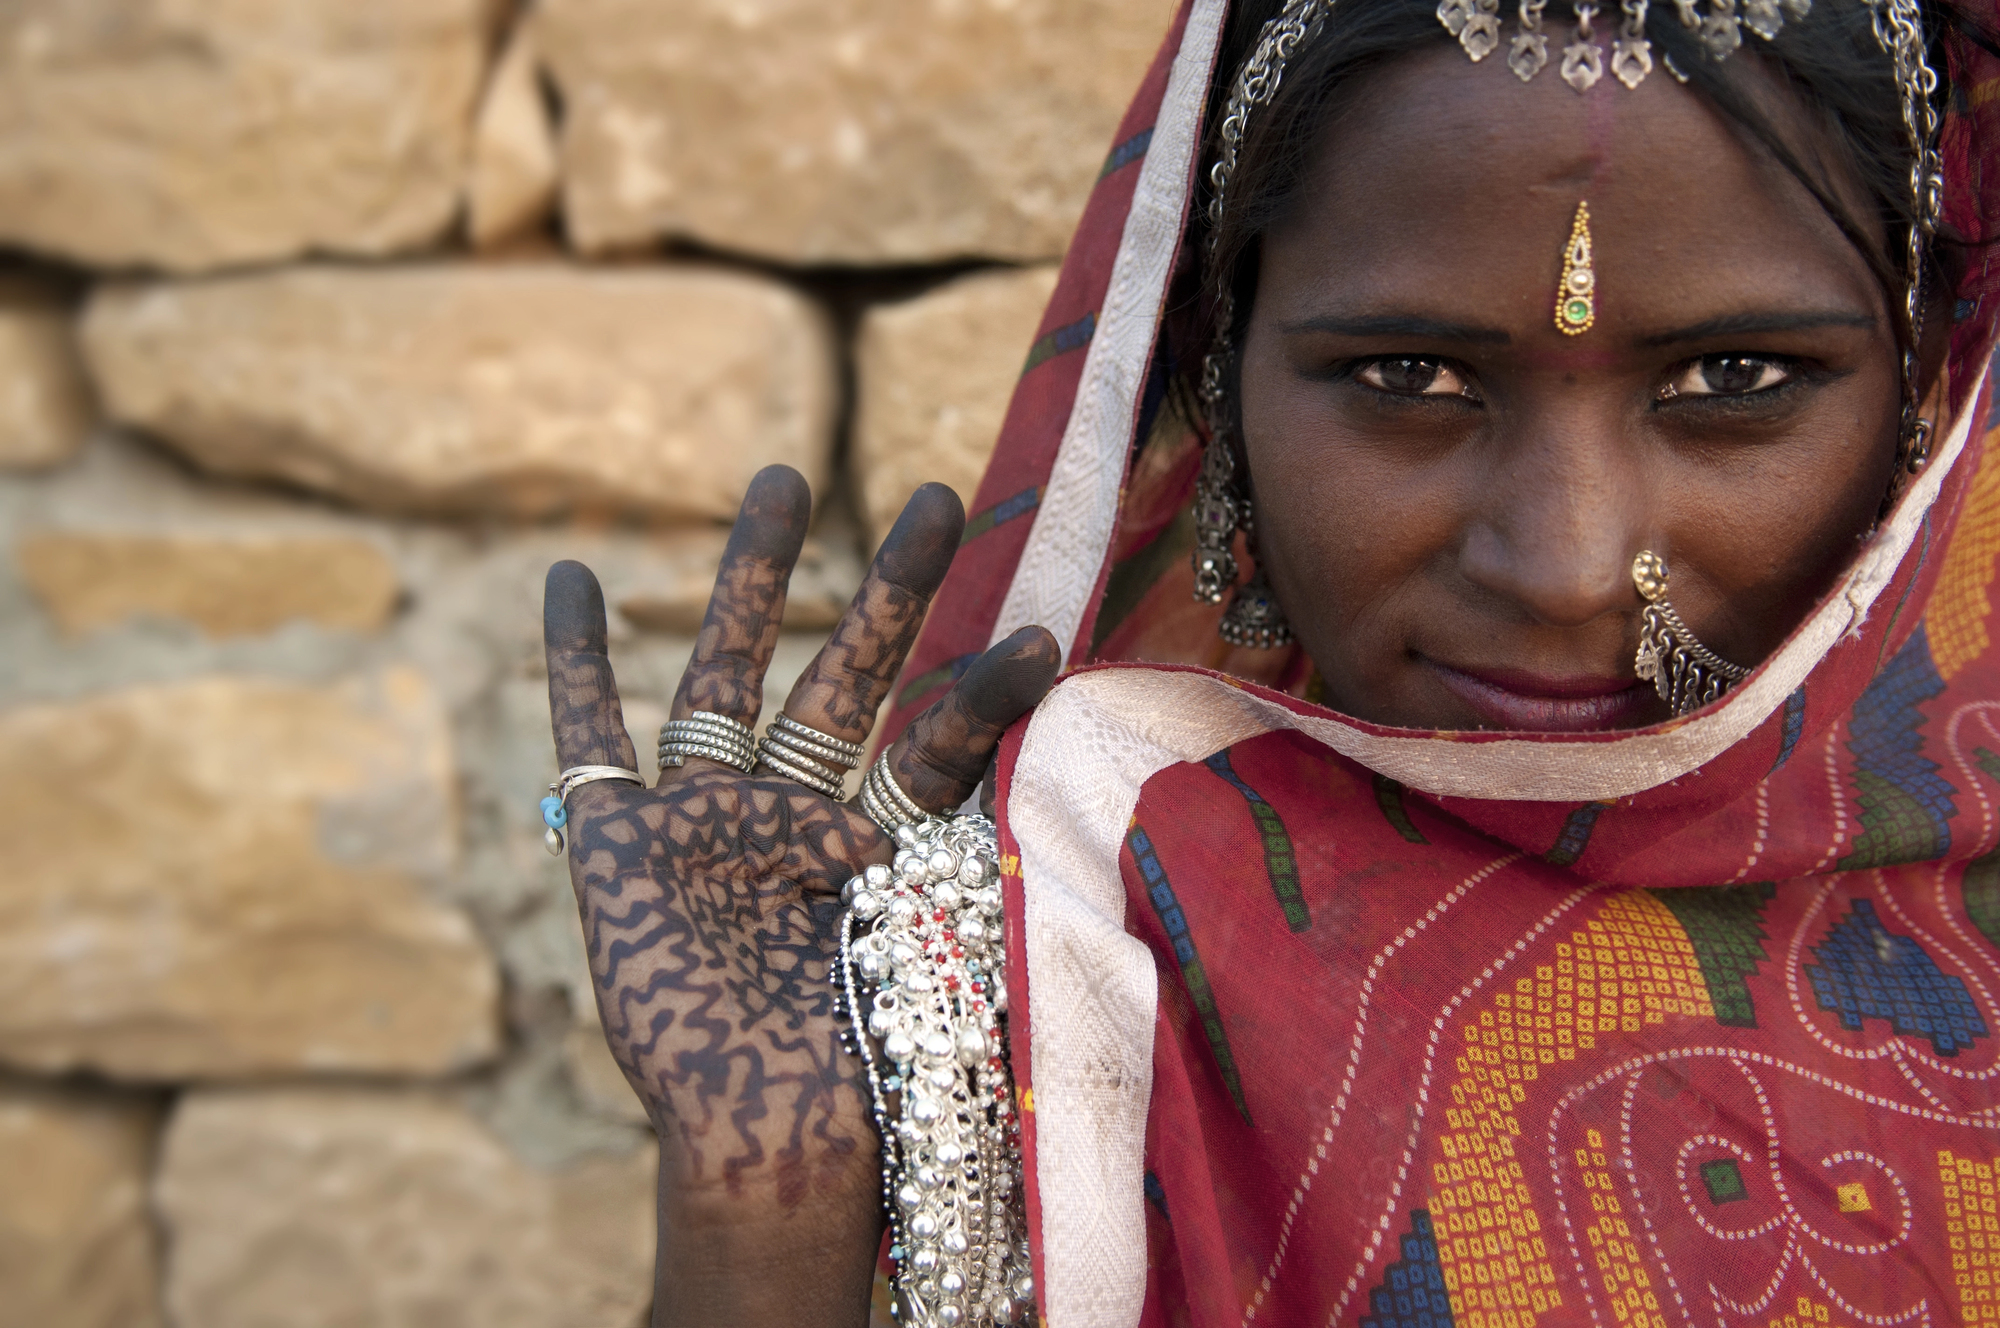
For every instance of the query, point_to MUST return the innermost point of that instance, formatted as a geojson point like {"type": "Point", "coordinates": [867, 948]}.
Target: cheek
{"type": "Point", "coordinates": [1771, 529]}
{"type": "Point", "coordinates": [1346, 525]}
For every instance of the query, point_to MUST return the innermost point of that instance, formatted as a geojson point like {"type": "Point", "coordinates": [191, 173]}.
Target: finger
{"type": "Point", "coordinates": [726, 673]}
{"type": "Point", "coordinates": [843, 687]}
{"type": "Point", "coordinates": [943, 756]}
{"type": "Point", "coordinates": [583, 696]}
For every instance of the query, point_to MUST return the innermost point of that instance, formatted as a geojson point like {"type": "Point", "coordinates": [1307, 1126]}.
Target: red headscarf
{"type": "Point", "coordinates": [1320, 1021]}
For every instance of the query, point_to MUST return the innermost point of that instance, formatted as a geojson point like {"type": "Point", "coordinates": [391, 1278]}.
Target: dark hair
{"type": "Point", "coordinates": [1829, 62]}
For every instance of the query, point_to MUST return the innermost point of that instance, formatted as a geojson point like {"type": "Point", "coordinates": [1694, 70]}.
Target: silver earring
{"type": "Point", "coordinates": [1686, 673]}
{"type": "Point", "coordinates": [1253, 617]}
{"type": "Point", "coordinates": [1216, 518]}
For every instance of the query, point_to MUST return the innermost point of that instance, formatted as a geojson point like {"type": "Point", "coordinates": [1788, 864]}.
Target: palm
{"type": "Point", "coordinates": [711, 920]}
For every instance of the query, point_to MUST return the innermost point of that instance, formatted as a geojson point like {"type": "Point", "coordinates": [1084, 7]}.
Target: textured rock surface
{"type": "Point", "coordinates": [189, 136]}
{"type": "Point", "coordinates": [226, 587]}
{"type": "Point", "coordinates": [598, 1081]}
{"type": "Point", "coordinates": [514, 181]}
{"type": "Point", "coordinates": [305, 1209]}
{"type": "Point", "coordinates": [45, 407]}
{"type": "Point", "coordinates": [841, 130]}
{"type": "Point", "coordinates": [522, 389]}
{"type": "Point", "coordinates": [934, 378]}
{"type": "Point", "coordinates": [224, 880]}
{"type": "Point", "coordinates": [76, 1243]}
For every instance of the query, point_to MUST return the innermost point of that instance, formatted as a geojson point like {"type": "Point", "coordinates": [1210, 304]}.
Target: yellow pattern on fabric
{"type": "Point", "coordinates": [1612, 1247]}
{"type": "Point", "coordinates": [1956, 616]}
{"type": "Point", "coordinates": [1972, 1227]}
{"type": "Point", "coordinates": [1853, 1197]}
{"type": "Point", "coordinates": [1629, 966]}
{"type": "Point", "coordinates": [1809, 1314]}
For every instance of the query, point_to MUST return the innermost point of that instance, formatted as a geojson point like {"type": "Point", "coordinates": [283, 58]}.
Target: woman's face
{"type": "Point", "coordinates": [1450, 492]}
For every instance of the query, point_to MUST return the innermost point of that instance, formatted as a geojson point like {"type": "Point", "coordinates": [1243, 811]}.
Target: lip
{"type": "Point", "coordinates": [1509, 699]}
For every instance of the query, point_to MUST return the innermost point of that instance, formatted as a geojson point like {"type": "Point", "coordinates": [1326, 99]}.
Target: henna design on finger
{"type": "Point", "coordinates": [844, 686]}
{"type": "Point", "coordinates": [588, 722]}
{"type": "Point", "coordinates": [740, 629]}
{"type": "Point", "coordinates": [945, 753]}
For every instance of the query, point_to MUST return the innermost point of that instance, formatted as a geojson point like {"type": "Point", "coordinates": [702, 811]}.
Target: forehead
{"type": "Point", "coordinates": [1458, 175]}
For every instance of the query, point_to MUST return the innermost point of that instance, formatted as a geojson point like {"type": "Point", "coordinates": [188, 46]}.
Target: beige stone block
{"type": "Point", "coordinates": [934, 376]}
{"type": "Point", "coordinates": [225, 586]}
{"type": "Point", "coordinates": [224, 878]}
{"type": "Point", "coordinates": [676, 599]}
{"type": "Point", "coordinates": [189, 135]}
{"type": "Point", "coordinates": [520, 389]}
{"type": "Point", "coordinates": [390, 1209]}
{"type": "Point", "coordinates": [76, 1240]}
{"type": "Point", "coordinates": [843, 131]}
{"type": "Point", "coordinates": [45, 410]}
{"type": "Point", "coordinates": [514, 178]}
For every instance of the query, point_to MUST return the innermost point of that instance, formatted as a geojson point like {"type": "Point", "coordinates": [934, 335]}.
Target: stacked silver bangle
{"type": "Point", "coordinates": [818, 760]}
{"type": "Point", "coordinates": [885, 802]}
{"type": "Point", "coordinates": [710, 736]}
{"type": "Point", "coordinates": [923, 969]}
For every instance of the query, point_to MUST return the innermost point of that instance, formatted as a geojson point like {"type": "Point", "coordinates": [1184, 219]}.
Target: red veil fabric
{"type": "Point", "coordinates": [1320, 1022]}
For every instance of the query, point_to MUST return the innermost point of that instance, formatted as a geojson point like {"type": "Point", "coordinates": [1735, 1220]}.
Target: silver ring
{"type": "Point", "coordinates": [885, 802]}
{"type": "Point", "coordinates": [574, 778]}
{"type": "Point", "coordinates": [820, 754]}
{"type": "Point", "coordinates": [710, 736]}
{"type": "Point", "coordinates": [767, 749]}
{"type": "Point", "coordinates": [706, 728]}
{"type": "Point", "coordinates": [777, 761]}
{"type": "Point", "coordinates": [674, 755]}
{"type": "Point", "coordinates": [844, 752]}
{"type": "Point", "coordinates": [736, 726]}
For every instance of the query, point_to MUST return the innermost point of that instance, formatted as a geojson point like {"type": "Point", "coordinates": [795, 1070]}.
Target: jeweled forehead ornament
{"type": "Point", "coordinates": [1476, 24]}
{"type": "Point", "coordinates": [1576, 293]}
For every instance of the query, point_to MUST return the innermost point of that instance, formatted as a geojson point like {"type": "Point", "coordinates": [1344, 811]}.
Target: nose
{"type": "Point", "coordinates": [1559, 514]}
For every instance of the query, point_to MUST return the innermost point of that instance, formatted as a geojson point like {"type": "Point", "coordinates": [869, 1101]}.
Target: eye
{"type": "Point", "coordinates": [1728, 376]}
{"type": "Point", "coordinates": [1414, 376]}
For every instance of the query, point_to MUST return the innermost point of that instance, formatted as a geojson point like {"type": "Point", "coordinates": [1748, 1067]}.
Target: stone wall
{"type": "Point", "coordinates": [325, 325]}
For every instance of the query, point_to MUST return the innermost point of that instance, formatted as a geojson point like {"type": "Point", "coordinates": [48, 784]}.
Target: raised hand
{"type": "Point", "coordinates": [710, 907]}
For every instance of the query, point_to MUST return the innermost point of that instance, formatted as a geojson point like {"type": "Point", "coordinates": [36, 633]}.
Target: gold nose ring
{"type": "Point", "coordinates": [1686, 673]}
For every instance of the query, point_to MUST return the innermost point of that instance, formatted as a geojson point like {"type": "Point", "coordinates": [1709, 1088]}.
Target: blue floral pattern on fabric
{"type": "Point", "coordinates": [1905, 803]}
{"type": "Point", "coordinates": [1867, 972]}
{"type": "Point", "coordinates": [1412, 1293]}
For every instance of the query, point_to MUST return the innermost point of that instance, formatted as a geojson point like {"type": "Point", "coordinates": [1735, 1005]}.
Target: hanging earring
{"type": "Point", "coordinates": [1686, 673]}
{"type": "Point", "coordinates": [1215, 523]}
{"type": "Point", "coordinates": [1253, 617]}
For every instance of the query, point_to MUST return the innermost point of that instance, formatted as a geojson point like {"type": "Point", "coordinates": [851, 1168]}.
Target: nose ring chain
{"type": "Point", "coordinates": [1686, 673]}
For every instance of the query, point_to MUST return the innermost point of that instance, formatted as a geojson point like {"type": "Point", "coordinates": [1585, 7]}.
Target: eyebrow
{"type": "Point", "coordinates": [1400, 325]}
{"type": "Point", "coordinates": [1750, 324]}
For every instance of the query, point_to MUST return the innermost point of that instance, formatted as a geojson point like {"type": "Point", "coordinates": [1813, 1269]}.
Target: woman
{"type": "Point", "coordinates": [1563, 893]}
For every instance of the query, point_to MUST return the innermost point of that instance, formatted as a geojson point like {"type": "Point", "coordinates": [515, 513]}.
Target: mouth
{"type": "Point", "coordinates": [1508, 699]}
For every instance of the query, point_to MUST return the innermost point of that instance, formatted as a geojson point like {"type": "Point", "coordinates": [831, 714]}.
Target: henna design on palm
{"type": "Point", "coordinates": [710, 904]}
